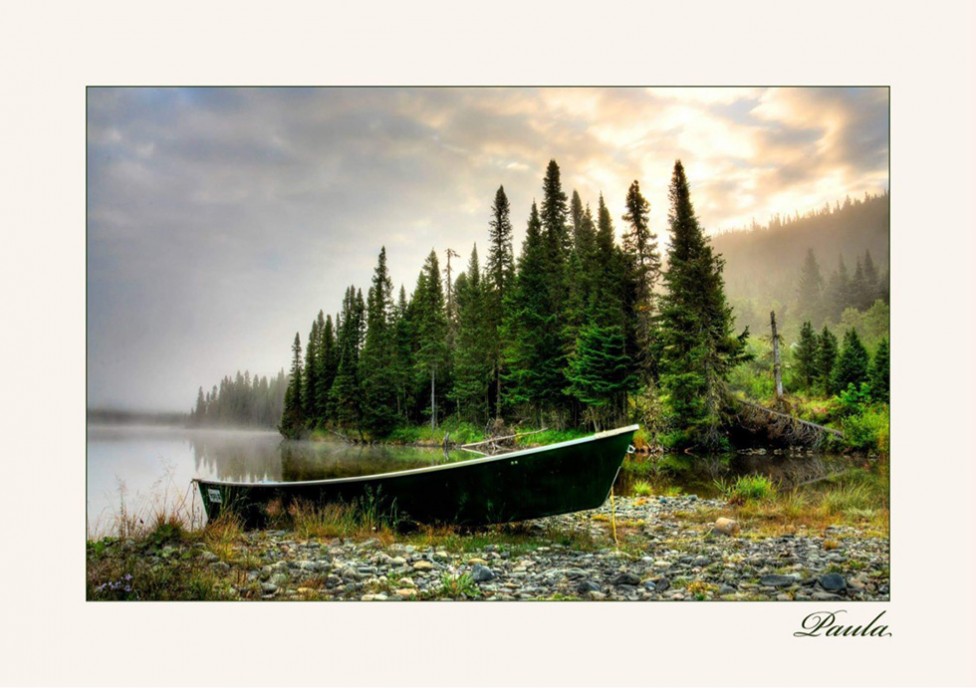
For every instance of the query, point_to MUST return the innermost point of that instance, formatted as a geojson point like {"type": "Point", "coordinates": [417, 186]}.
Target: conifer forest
{"type": "Point", "coordinates": [600, 318]}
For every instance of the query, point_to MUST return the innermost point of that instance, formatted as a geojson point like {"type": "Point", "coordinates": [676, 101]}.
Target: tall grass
{"type": "Point", "coordinates": [747, 488]}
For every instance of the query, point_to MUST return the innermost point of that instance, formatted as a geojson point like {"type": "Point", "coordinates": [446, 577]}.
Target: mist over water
{"type": "Point", "coordinates": [145, 470]}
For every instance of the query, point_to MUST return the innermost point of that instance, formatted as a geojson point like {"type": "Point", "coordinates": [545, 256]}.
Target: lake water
{"type": "Point", "coordinates": [142, 470]}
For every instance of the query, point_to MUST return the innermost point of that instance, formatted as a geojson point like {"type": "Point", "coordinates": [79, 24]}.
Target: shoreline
{"type": "Point", "coordinates": [667, 549]}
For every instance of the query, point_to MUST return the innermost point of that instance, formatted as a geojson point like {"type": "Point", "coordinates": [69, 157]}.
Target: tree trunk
{"type": "Point", "coordinates": [433, 407]}
{"type": "Point", "coordinates": [776, 362]}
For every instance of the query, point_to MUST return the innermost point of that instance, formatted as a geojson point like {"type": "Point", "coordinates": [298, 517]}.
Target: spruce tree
{"type": "Point", "coordinates": [871, 279]}
{"type": "Point", "coordinates": [328, 361]}
{"type": "Point", "coordinates": [403, 370]}
{"type": "Point", "coordinates": [826, 360]}
{"type": "Point", "coordinates": [533, 354]}
{"type": "Point", "coordinates": [806, 355]}
{"type": "Point", "coordinates": [576, 216]}
{"type": "Point", "coordinates": [554, 214]}
{"type": "Point", "coordinates": [499, 277]}
{"type": "Point", "coordinates": [599, 372]}
{"type": "Point", "coordinates": [810, 290]}
{"type": "Point", "coordinates": [429, 322]}
{"type": "Point", "coordinates": [292, 419]}
{"type": "Point", "coordinates": [345, 394]}
{"type": "Point", "coordinates": [839, 291]}
{"type": "Point", "coordinates": [852, 364]}
{"type": "Point", "coordinates": [311, 372]}
{"type": "Point", "coordinates": [644, 262]}
{"type": "Point", "coordinates": [699, 347]}
{"type": "Point", "coordinates": [879, 376]}
{"type": "Point", "coordinates": [473, 358]}
{"type": "Point", "coordinates": [377, 362]}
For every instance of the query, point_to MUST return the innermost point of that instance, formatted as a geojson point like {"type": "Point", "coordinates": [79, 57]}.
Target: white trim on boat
{"type": "Point", "coordinates": [431, 469]}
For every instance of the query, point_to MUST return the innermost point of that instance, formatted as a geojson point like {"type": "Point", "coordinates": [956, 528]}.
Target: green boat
{"type": "Point", "coordinates": [528, 483]}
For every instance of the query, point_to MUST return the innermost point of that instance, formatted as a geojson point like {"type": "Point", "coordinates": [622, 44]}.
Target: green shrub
{"type": "Point", "coordinates": [748, 488]}
{"type": "Point", "coordinates": [868, 430]}
{"type": "Point", "coordinates": [642, 488]}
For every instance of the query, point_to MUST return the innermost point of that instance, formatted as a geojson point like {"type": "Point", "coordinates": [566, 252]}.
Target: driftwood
{"type": "Point", "coordinates": [779, 425]}
{"type": "Point", "coordinates": [495, 444]}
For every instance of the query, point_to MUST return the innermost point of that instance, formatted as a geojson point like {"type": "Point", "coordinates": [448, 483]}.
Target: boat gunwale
{"type": "Point", "coordinates": [426, 469]}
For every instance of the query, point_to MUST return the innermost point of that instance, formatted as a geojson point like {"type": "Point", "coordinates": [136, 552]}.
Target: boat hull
{"type": "Point", "coordinates": [531, 483]}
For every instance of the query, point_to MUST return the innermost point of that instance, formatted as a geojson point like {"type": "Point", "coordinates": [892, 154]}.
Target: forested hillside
{"type": "Point", "coordinates": [765, 266]}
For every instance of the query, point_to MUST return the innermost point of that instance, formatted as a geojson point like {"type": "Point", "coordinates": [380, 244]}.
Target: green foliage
{"type": "Point", "coordinates": [473, 355]}
{"type": "Point", "coordinates": [599, 372]}
{"type": "Point", "coordinates": [699, 348]}
{"type": "Point", "coordinates": [879, 374]}
{"type": "Point", "coordinates": [642, 488]}
{"type": "Point", "coordinates": [810, 296]}
{"type": "Point", "coordinates": [377, 363]}
{"type": "Point", "coordinates": [868, 429]}
{"type": "Point", "coordinates": [457, 587]}
{"type": "Point", "coordinates": [293, 417]}
{"type": "Point", "coordinates": [826, 360]}
{"type": "Point", "coordinates": [747, 488]}
{"type": "Point", "coordinates": [533, 351]}
{"type": "Point", "coordinates": [852, 365]}
{"type": "Point", "coordinates": [805, 356]}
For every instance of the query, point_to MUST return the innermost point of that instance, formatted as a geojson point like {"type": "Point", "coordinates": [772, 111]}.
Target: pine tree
{"type": "Point", "coordinates": [839, 291]}
{"type": "Point", "coordinates": [378, 359]}
{"type": "Point", "coordinates": [699, 348]}
{"type": "Point", "coordinates": [292, 419]}
{"type": "Point", "coordinates": [533, 352]}
{"type": "Point", "coordinates": [311, 372]}
{"type": "Point", "coordinates": [600, 372]}
{"type": "Point", "coordinates": [806, 354]}
{"type": "Point", "coordinates": [871, 285]}
{"type": "Point", "coordinates": [328, 367]}
{"type": "Point", "coordinates": [473, 357]}
{"type": "Point", "coordinates": [199, 415]}
{"type": "Point", "coordinates": [852, 364]}
{"type": "Point", "coordinates": [826, 360]}
{"type": "Point", "coordinates": [403, 368]}
{"type": "Point", "coordinates": [499, 278]}
{"type": "Point", "coordinates": [644, 263]}
{"type": "Point", "coordinates": [553, 214]}
{"type": "Point", "coordinates": [879, 375]}
{"type": "Point", "coordinates": [345, 394]}
{"type": "Point", "coordinates": [429, 320]}
{"type": "Point", "coordinates": [860, 293]}
{"type": "Point", "coordinates": [810, 290]}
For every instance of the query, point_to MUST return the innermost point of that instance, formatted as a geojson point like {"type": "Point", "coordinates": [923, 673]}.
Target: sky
{"type": "Point", "coordinates": [220, 221]}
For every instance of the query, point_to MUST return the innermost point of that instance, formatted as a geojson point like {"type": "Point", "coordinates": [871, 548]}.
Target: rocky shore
{"type": "Point", "coordinates": [667, 549]}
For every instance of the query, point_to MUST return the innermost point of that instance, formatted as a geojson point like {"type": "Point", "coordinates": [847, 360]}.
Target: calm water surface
{"type": "Point", "coordinates": [144, 470]}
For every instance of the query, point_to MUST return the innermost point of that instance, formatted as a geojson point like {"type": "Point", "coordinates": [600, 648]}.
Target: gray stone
{"type": "Point", "coordinates": [587, 586]}
{"type": "Point", "coordinates": [481, 574]}
{"type": "Point", "coordinates": [777, 581]}
{"type": "Point", "coordinates": [626, 578]}
{"type": "Point", "coordinates": [662, 584]}
{"type": "Point", "coordinates": [726, 589]}
{"type": "Point", "coordinates": [833, 582]}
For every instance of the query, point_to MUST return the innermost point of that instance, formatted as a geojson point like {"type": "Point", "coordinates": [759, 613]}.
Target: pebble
{"type": "Point", "coordinates": [680, 559]}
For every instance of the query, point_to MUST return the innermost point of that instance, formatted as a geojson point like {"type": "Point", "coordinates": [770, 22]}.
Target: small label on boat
{"type": "Point", "coordinates": [214, 495]}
